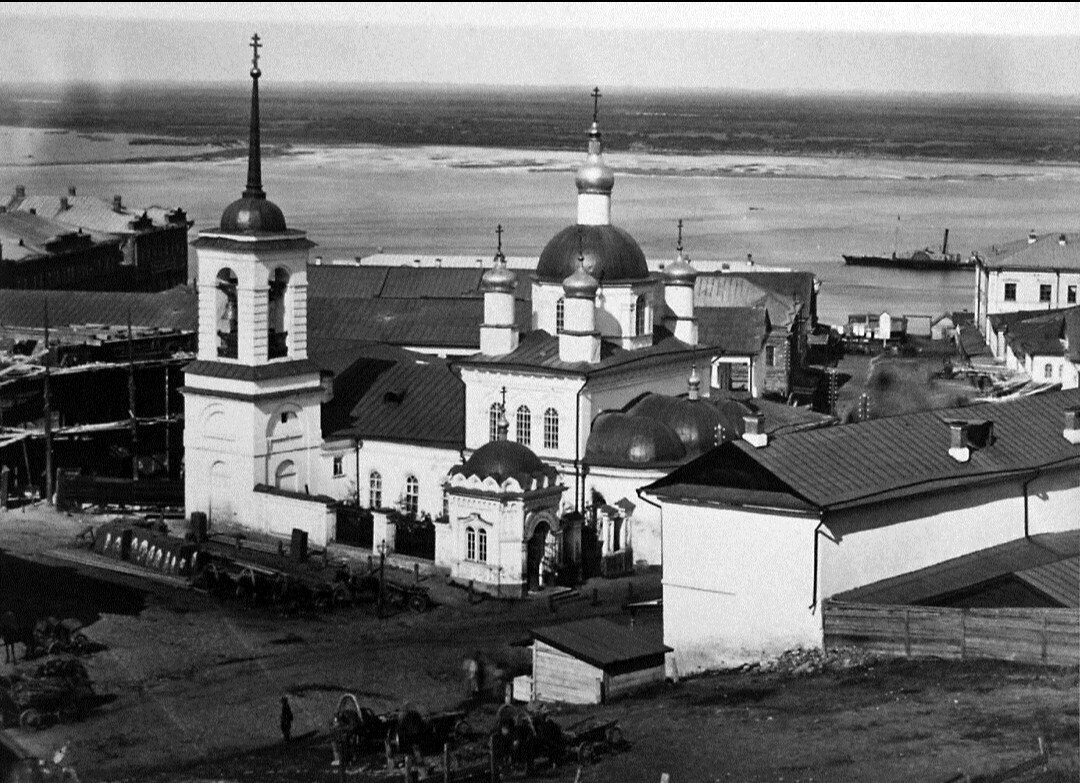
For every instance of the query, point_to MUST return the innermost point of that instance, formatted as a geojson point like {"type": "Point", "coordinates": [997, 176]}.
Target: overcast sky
{"type": "Point", "coordinates": [1011, 48]}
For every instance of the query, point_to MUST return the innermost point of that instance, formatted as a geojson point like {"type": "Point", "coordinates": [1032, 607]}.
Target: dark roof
{"type": "Point", "coordinates": [886, 458]}
{"type": "Point", "coordinates": [412, 399]}
{"type": "Point", "coordinates": [345, 281]}
{"type": "Point", "coordinates": [437, 323]}
{"type": "Point", "coordinates": [244, 372]}
{"type": "Point", "coordinates": [1048, 563]}
{"type": "Point", "coordinates": [972, 341]}
{"type": "Point", "coordinates": [611, 255]}
{"type": "Point", "coordinates": [599, 642]}
{"type": "Point", "coordinates": [1035, 333]}
{"type": "Point", "coordinates": [267, 489]}
{"type": "Point", "coordinates": [1072, 334]}
{"type": "Point", "coordinates": [1046, 252]}
{"type": "Point", "coordinates": [540, 350]}
{"type": "Point", "coordinates": [738, 331]}
{"type": "Point", "coordinates": [350, 281]}
{"type": "Point", "coordinates": [503, 459]}
{"type": "Point", "coordinates": [176, 308]}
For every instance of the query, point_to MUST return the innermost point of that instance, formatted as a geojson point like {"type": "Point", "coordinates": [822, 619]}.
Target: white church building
{"type": "Point", "coordinates": [603, 394]}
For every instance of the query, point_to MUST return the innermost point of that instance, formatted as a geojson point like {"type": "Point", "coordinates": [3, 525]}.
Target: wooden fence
{"type": "Point", "coordinates": [1045, 636]}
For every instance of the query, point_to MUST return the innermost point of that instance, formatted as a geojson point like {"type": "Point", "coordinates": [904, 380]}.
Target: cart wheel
{"type": "Point", "coordinates": [418, 602]}
{"type": "Point", "coordinates": [463, 730]}
{"type": "Point", "coordinates": [31, 719]}
{"type": "Point", "coordinates": [615, 737]}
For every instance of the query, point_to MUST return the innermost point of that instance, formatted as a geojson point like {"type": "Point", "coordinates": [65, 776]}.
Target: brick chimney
{"type": "Point", "coordinates": [1072, 426]}
{"type": "Point", "coordinates": [20, 191]}
{"type": "Point", "coordinates": [71, 190]}
{"type": "Point", "coordinates": [754, 430]}
{"type": "Point", "coordinates": [64, 203]}
{"type": "Point", "coordinates": [117, 204]}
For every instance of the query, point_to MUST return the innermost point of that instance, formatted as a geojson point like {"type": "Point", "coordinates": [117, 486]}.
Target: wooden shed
{"type": "Point", "coordinates": [592, 661]}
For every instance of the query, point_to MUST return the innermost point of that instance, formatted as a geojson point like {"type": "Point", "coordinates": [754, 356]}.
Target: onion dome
{"type": "Point", "coordinates": [595, 176]}
{"type": "Point", "coordinates": [505, 459]}
{"type": "Point", "coordinates": [499, 279]}
{"type": "Point", "coordinates": [622, 440]}
{"type": "Point", "coordinates": [611, 255]}
{"type": "Point", "coordinates": [580, 285]}
{"type": "Point", "coordinates": [679, 272]}
{"type": "Point", "coordinates": [693, 421]}
{"type": "Point", "coordinates": [253, 213]}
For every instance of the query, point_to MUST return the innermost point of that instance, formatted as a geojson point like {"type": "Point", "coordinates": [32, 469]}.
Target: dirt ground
{"type": "Point", "coordinates": [194, 685]}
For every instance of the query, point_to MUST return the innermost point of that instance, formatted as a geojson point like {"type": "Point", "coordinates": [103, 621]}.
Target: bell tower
{"type": "Point", "coordinates": [252, 396]}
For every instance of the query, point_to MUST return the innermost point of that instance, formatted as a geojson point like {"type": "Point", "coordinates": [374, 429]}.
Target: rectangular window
{"type": "Point", "coordinates": [470, 543]}
{"type": "Point", "coordinates": [339, 467]}
{"type": "Point", "coordinates": [1044, 292]}
{"type": "Point", "coordinates": [1048, 371]}
{"type": "Point", "coordinates": [1070, 295]}
{"type": "Point", "coordinates": [740, 377]}
{"type": "Point", "coordinates": [481, 553]}
{"type": "Point", "coordinates": [770, 355]}
{"type": "Point", "coordinates": [1010, 292]}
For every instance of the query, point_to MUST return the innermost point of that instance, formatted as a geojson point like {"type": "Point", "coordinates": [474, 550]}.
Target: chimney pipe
{"type": "Point", "coordinates": [754, 430]}
{"type": "Point", "coordinates": [958, 441]}
{"type": "Point", "coordinates": [1063, 240]}
{"type": "Point", "coordinates": [945, 243]}
{"type": "Point", "coordinates": [1032, 236]}
{"type": "Point", "coordinates": [64, 204]}
{"type": "Point", "coordinates": [71, 190]}
{"type": "Point", "coordinates": [1072, 426]}
{"type": "Point", "coordinates": [416, 262]}
{"type": "Point", "coordinates": [117, 204]}
{"type": "Point", "coordinates": [20, 191]}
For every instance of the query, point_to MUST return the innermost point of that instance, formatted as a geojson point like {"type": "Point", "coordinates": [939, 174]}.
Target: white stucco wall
{"type": "Point", "coordinates": [644, 524]}
{"type": "Point", "coordinates": [278, 516]}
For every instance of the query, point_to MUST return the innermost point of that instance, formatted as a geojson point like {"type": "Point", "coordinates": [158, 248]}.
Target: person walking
{"type": "Point", "coordinates": [286, 719]}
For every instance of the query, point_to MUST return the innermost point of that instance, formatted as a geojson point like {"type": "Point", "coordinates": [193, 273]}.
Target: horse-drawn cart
{"type": "Point", "coordinates": [58, 691]}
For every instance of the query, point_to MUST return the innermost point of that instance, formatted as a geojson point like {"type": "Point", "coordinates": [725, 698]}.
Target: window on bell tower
{"type": "Point", "coordinates": [277, 337]}
{"type": "Point", "coordinates": [225, 314]}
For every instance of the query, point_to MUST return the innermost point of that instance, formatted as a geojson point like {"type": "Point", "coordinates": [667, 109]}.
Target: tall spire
{"type": "Point", "coordinates": [254, 187]}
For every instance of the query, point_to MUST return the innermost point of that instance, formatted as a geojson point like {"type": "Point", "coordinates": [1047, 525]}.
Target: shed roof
{"type": "Point", "coordinates": [882, 459]}
{"type": "Point", "coordinates": [1049, 563]}
{"type": "Point", "coordinates": [599, 641]}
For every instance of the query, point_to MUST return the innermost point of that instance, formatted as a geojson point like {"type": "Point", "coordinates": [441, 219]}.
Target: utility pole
{"type": "Point", "coordinates": [48, 414]}
{"type": "Point", "coordinates": [132, 421]}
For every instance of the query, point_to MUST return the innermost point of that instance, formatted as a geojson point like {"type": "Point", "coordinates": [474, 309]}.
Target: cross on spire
{"type": "Point", "coordinates": [596, 104]}
{"type": "Point", "coordinates": [679, 246]}
{"type": "Point", "coordinates": [499, 233]}
{"type": "Point", "coordinates": [255, 72]}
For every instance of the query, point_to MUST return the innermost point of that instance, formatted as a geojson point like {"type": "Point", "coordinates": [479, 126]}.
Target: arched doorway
{"type": "Point", "coordinates": [536, 549]}
{"type": "Point", "coordinates": [285, 476]}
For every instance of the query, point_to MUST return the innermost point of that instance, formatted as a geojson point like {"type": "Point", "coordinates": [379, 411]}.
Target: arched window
{"type": "Point", "coordinates": [285, 476]}
{"type": "Point", "coordinates": [641, 312]}
{"type": "Point", "coordinates": [276, 336]}
{"type": "Point", "coordinates": [493, 420]}
{"type": "Point", "coordinates": [560, 314]}
{"type": "Point", "coordinates": [225, 316]}
{"type": "Point", "coordinates": [481, 545]}
{"type": "Point", "coordinates": [412, 496]}
{"type": "Point", "coordinates": [375, 490]}
{"type": "Point", "coordinates": [524, 425]}
{"type": "Point", "coordinates": [470, 544]}
{"type": "Point", "coordinates": [551, 429]}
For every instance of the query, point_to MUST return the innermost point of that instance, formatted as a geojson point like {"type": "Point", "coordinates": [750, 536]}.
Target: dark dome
{"type": "Point", "coordinates": [693, 421]}
{"type": "Point", "coordinates": [252, 215]}
{"type": "Point", "coordinates": [621, 440]}
{"type": "Point", "coordinates": [611, 255]}
{"type": "Point", "coordinates": [500, 460]}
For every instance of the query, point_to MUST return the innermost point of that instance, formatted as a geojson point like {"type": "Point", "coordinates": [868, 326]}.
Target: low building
{"type": "Point", "coordinates": [1043, 345]}
{"type": "Point", "coordinates": [37, 253]}
{"type": "Point", "coordinates": [151, 242]}
{"type": "Point", "coordinates": [757, 533]}
{"type": "Point", "coordinates": [593, 661]}
{"type": "Point", "coordinates": [1041, 272]}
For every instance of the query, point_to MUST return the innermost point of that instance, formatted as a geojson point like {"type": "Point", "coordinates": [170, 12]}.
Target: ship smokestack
{"type": "Point", "coordinates": [945, 243]}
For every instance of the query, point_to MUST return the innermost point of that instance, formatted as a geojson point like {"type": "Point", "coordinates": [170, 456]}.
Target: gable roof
{"type": "Point", "coordinates": [886, 458]}
{"type": "Point", "coordinates": [89, 212]}
{"type": "Point", "coordinates": [599, 641]}
{"type": "Point", "coordinates": [23, 234]}
{"type": "Point", "coordinates": [729, 289]}
{"type": "Point", "coordinates": [1046, 252]}
{"type": "Point", "coordinates": [738, 331]}
{"type": "Point", "coordinates": [1048, 563]}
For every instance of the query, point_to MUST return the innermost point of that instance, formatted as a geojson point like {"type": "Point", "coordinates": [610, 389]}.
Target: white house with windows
{"type": "Point", "coordinates": [1041, 272]}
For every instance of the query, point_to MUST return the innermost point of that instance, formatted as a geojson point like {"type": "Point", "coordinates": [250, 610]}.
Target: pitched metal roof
{"type": "Point", "coordinates": [882, 459]}
{"type": "Point", "coordinates": [23, 234]}
{"type": "Point", "coordinates": [1046, 252]}
{"type": "Point", "coordinates": [738, 331]}
{"type": "Point", "coordinates": [539, 350]}
{"type": "Point", "coordinates": [345, 282]}
{"type": "Point", "coordinates": [176, 308]}
{"type": "Point", "coordinates": [728, 289]}
{"type": "Point", "coordinates": [415, 400]}
{"type": "Point", "coordinates": [1049, 563]}
{"type": "Point", "coordinates": [348, 281]}
{"type": "Point", "coordinates": [244, 372]}
{"type": "Point", "coordinates": [599, 641]}
{"type": "Point", "coordinates": [90, 213]}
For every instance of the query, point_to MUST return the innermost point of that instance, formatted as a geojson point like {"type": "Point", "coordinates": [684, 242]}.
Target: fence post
{"type": "Point", "coordinates": [907, 632]}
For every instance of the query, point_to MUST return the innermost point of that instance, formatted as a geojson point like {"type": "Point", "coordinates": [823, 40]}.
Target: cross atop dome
{"type": "Point", "coordinates": [596, 95]}
{"type": "Point", "coordinates": [255, 72]}
{"type": "Point", "coordinates": [679, 246]}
